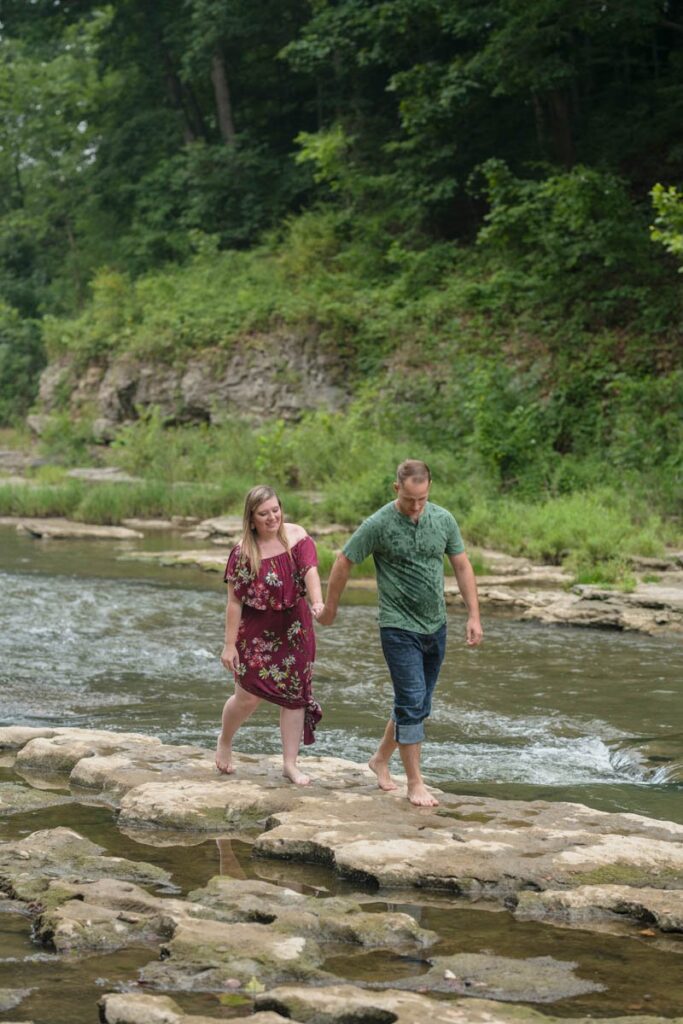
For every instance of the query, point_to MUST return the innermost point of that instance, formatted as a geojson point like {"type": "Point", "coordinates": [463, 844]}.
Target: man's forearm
{"type": "Point", "coordinates": [467, 586]}
{"type": "Point", "coordinates": [339, 576]}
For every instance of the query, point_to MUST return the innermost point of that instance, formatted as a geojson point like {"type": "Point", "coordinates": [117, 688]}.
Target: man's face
{"type": "Point", "coordinates": [412, 496]}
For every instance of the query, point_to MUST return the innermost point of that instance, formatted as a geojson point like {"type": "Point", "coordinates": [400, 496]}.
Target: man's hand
{"type": "Point", "coordinates": [326, 616]}
{"type": "Point", "coordinates": [474, 632]}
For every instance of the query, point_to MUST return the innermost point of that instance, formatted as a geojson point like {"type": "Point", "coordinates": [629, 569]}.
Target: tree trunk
{"type": "Point", "coordinates": [221, 91]}
{"type": "Point", "coordinates": [175, 95]}
{"type": "Point", "coordinates": [561, 128]}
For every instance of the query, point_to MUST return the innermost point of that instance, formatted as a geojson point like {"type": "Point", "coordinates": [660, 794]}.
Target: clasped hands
{"type": "Point", "coordinates": [322, 614]}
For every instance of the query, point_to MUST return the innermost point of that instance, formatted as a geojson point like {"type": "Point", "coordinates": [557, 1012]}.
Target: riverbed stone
{"type": "Point", "coordinates": [589, 904]}
{"type": "Point", "coordinates": [337, 919]}
{"type": "Point", "coordinates": [17, 799]}
{"type": "Point", "coordinates": [134, 1008]}
{"type": "Point", "coordinates": [14, 737]}
{"type": "Point", "coordinates": [66, 747]}
{"type": "Point", "coordinates": [64, 529]}
{"type": "Point", "coordinates": [650, 608]}
{"type": "Point", "coordinates": [477, 847]}
{"type": "Point", "coordinates": [11, 997]}
{"type": "Point", "coordinates": [341, 1004]}
{"type": "Point", "coordinates": [205, 955]}
{"type": "Point", "coordinates": [28, 865]}
{"type": "Point", "coordinates": [537, 979]}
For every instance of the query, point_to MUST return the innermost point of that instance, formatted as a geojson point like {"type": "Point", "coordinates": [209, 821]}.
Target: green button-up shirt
{"type": "Point", "coordinates": [409, 561]}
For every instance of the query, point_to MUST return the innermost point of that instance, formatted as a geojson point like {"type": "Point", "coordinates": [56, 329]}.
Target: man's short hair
{"type": "Point", "coordinates": [413, 469]}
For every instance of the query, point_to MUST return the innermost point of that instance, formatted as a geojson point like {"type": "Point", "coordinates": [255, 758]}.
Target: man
{"type": "Point", "coordinates": [408, 538]}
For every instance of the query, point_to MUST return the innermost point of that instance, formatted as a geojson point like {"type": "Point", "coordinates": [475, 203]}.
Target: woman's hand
{"type": "Point", "coordinates": [230, 659]}
{"type": "Point", "coordinates": [316, 608]}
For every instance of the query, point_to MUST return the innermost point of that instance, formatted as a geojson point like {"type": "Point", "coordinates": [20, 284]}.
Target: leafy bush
{"type": "Point", "coordinates": [22, 357]}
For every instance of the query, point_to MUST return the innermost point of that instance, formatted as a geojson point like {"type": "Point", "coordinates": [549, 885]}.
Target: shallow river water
{"type": "Point", "coordinates": [90, 639]}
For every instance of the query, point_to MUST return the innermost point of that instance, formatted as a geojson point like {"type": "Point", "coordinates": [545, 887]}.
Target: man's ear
{"type": "Point", "coordinates": [395, 485]}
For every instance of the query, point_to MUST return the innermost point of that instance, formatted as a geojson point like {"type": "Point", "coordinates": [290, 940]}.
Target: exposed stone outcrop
{"type": "Point", "coordinates": [28, 866]}
{"type": "Point", "coordinates": [594, 904]}
{"type": "Point", "coordinates": [343, 1003]}
{"type": "Point", "coordinates": [277, 375]}
{"type": "Point", "coordinates": [17, 799]}
{"type": "Point", "coordinates": [473, 847]}
{"type": "Point", "coordinates": [64, 529]}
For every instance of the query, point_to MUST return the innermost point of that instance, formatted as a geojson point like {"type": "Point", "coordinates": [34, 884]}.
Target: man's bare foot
{"type": "Point", "coordinates": [224, 757]}
{"type": "Point", "coordinates": [295, 776]}
{"type": "Point", "coordinates": [421, 797]}
{"type": "Point", "coordinates": [381, 770]}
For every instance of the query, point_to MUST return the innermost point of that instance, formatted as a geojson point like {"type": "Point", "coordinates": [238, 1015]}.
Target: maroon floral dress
{"type": "Point", "coordinates": [276, 639]}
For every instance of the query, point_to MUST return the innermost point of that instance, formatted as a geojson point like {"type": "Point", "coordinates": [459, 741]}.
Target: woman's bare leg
{"type": "Point", "coordinates": [236, 710]}
{"type": "Point", "coordinates": [291, 730]}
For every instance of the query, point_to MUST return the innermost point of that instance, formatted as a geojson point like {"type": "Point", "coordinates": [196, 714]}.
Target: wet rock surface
{"type": "Point", "coordinates": [589, 904]}
{"type": "Point", "coordinates": [537, 979]}
{"type": "Point", "coordinates": [343, 1003]}
{"type": "Point", "coordinates": [28, 866]}
{"type": "Point", "coordinates": [563, 864]}
{"type": "Point", "coordinates": [64, 529]}
{"type": "Point", "coordinates": [17, 799]}
{"type": "Point", "coordinates": [475, 847]}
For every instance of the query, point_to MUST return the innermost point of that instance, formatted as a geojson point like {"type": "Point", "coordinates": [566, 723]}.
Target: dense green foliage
{"type": "Point", "coordinates": [455, 195]}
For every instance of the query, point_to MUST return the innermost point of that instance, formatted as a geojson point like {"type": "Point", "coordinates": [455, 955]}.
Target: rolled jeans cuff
{"type": "Point", "coordinates": [412, 732]}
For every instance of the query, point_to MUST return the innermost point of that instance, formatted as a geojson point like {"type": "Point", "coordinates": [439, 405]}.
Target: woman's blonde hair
{"type": "Point", "coordinates": [249, 549]}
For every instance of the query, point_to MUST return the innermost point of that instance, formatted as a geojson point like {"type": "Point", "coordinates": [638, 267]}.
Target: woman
{"type": "Point", "coordinates": [269, 636]}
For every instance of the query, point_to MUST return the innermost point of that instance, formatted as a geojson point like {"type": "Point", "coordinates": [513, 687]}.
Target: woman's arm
{"type": "Point", "coordinates": [314, 590]}
{"type": "Point", "coordinates": [233, 617]}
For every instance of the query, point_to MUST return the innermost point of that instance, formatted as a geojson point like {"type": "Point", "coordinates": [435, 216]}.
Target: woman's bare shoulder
{"type": "Point", "coordinates": [295, 533]}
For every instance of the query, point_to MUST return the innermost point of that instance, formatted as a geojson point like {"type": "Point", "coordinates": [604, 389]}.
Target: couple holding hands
{"type": "Point", "coordinates": [274, 593]}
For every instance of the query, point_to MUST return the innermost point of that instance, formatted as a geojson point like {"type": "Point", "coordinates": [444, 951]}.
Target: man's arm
{"type": "Point", "coordinates": [467, 585]}
{"type": "Point", "coordinates": [339, 576]}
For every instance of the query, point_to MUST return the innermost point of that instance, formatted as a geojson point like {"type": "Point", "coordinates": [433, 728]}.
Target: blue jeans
{"type": "Point", "coordinates": [414, 660]}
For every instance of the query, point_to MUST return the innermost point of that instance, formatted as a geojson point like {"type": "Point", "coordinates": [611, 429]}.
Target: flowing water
{"type": "Point", "coordinates": [88, 638]}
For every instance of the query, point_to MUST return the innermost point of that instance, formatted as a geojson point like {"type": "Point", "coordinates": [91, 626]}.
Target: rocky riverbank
{"type": "Point", "coordinates": [563, 864]}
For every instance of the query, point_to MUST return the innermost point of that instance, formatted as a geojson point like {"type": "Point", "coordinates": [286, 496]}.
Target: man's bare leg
{"type": "Point", "coordinates": [418, 793]}
{"type": "Point", "coordinates": [235, 711]}
{"type": "Point", "coordinates": [379, 762]}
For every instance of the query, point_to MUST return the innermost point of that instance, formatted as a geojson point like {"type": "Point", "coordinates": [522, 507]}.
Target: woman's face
{"type": "Point", "coordinates": [266, 517]}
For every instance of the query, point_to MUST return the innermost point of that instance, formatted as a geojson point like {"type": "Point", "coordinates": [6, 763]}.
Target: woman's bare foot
{"type": "Point", "coordinates": [292, 773]}
{"type": "Point", "coordinates": [381, 770]}
{"type": "Point", "coordinates": [421, 797]}
{"type": "Point", "coordinates": [224, 757]}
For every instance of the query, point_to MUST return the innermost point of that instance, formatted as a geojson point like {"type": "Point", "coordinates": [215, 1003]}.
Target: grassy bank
{"type": "Point", "coordinates": [343, 472]}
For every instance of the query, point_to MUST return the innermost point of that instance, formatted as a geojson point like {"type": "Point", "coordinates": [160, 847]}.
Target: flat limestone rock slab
{"type": "Point", "coordinates": [209, 560]}
{"type": "Point", "coordinates": [14, 737]}
{"type": "Point", "coordinates": [256, 791]}
{"type": "Point", "coordinates": [131, 1008]}
{"type": "Point", "coordinates": [581, 907]}
{"type": "Point", "coordinates": [478, 847]}
{"type": "Point", "coordinates": [226, 526]}
{"type": "Point", "coordinates": [540, 979]}
{"type": "Point", "coordinates": [17, 799]}
{"type": "Point", "coordinates": [651, 608]}
{"type": "Point", "coordinates": [62, 750]}
{"type": "Point", "coordinates": [336, 919]}
{"type": "Point", "coordinates": [127, 1008]}
{"type": "Point", "coordinates": [212, 955]}
{"type": "Point", "coordinates": [11, 997]}
{"type": "Point", "coordinates": [28, 865]}
{"type": "Point", "coordinates": [64, 529]}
